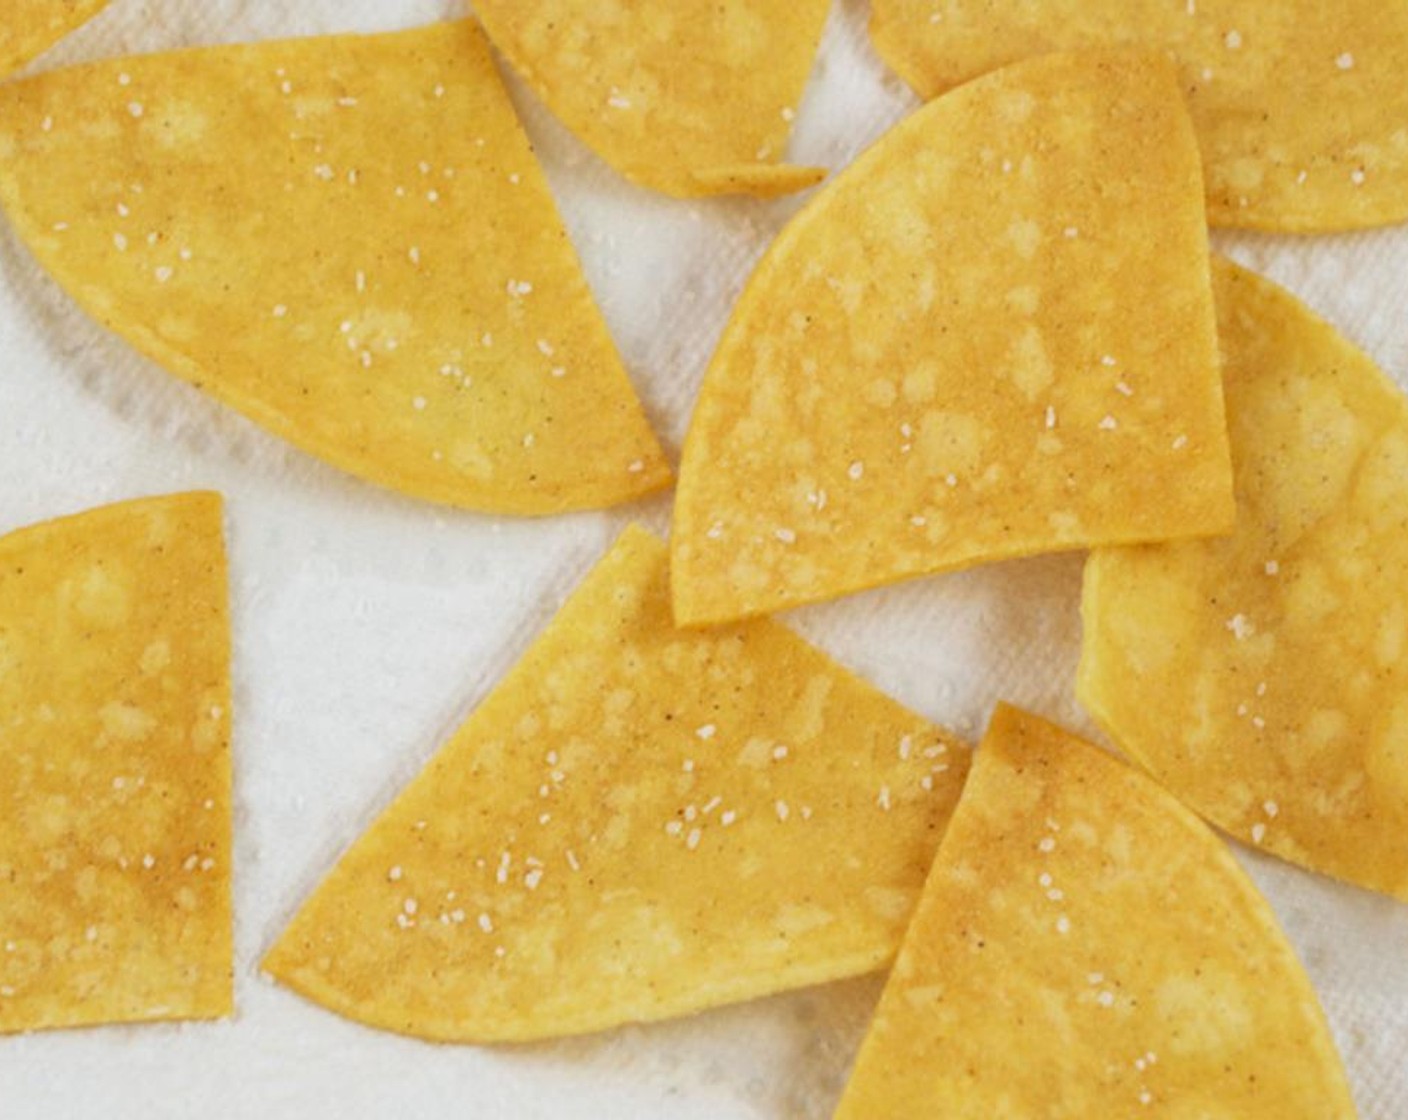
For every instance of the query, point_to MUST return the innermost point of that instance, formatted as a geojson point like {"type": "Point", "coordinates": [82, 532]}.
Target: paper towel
{"type": "Point", "coordinates": [366, 626]}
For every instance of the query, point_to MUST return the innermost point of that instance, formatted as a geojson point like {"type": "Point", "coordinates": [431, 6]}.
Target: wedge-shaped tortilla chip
{"type": "Point", "coordinates": [639, 822]}
{"type": "Point", "coordinates": [993, 336]}
{"type": "Point", "coordinates": [1300, 106]}
{"type": "Point", "coordinates": [30, 27]}
{"type": "Point", "coordinates": [348, 239]}
{"type": "Point", "coordinates": [115, 768]}
{"type": "Point", "coordinates": [1086, 947]}
{"type": "Point", "coordinates": [1264, 678]}
{"type": "Point", "coordinates": [689, 97]}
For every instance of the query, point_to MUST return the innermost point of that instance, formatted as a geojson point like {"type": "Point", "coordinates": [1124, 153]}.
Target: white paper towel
{"type": "Point", "coordinates": [367, 626]}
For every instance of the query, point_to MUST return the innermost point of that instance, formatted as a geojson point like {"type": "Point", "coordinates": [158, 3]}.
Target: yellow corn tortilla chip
{"type": "Point", "coordinates": [1264, 678]}
{"type": "Point", "coordinates": [31, 27]}
{"type": "Point", "coordinates": [993, 336]}
{"type": "Point", "coordinates": [639, 822]}
{"type": "Point", "coordinates": [1086, 947]}
{"type": "Point", "coordinates": [689, 97]}
{"type": "Point", "coordinates": [1300, 106]}
{"type": "Point", "coordinates": [348, 239]}
{"type": "Point", "coordinates": [115, 767]}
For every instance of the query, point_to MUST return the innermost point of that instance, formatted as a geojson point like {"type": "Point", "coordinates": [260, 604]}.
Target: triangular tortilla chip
{"type": "Point", "coordinates": [30, 27]}
{"type": "Point", "coordinates": [1264, 678]}
{"type": "Point", "coordinates": [689, 97]}
{"type": "Point", "coordinates": [639, 822]}
{"type": "Point", "coordinates": [993, 336]}
{"type": "Point", "coordinates": [350, 240]}
{"type": "Point", "coordinates": [1085, 947]}
{"type": "Point", "coordinates": [1300, 105]}
{"type": "Point", "coordinates": [115, 767]}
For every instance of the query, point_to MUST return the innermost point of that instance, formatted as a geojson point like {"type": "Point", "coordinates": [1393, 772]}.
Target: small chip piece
{"type": "Point", "coordinates": [1300, 106]}
{"type": "Point", "coordinates": [1264, 678]}
{"type": "Point", "coordinates": [31, 27]}
{"type": "Point", "coordinates": [689, 97]}
{"type": "Point", "coordinates": [115, 767]}
{"type": "Point", "coordinates": [616, 835]}
{"type": "Point", "coordinates": [359, 251]}
{"type": "Point", "coordinates": [1086, 947]}
{"type": "Point", "coordinates": [929, 370]}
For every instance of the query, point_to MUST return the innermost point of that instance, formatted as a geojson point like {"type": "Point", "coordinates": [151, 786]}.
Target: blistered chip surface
{"type": "Point", "coordinates": [689, 97]}
{"type": "Point", "coordinates": [1086, 947]}
{"type": "Point", "coordinates": [639, 822]}
{"type": "Point", "coordinates": [115, 767]}
{"type": "Point", "coordinates": [993, 336]}
{"type": "Point", "coordinates": [1300, 106]}
{"type": "Point", "coordinates": [359, 252]}
{"type": "Point", "coordinates": [1262, 677]}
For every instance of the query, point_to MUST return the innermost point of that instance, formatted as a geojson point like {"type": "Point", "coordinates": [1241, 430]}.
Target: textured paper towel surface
{"type": "Point", "coordinates": [368, 625]}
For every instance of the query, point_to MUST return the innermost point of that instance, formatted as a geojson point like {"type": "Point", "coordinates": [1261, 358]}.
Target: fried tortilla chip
{"type": "Point", "coordinates": [348, 239]}
{"type": "Point", "coordinates": [1264, 678]}
{"type": "Point", "coordinates": [31, 27]}
{"type": "Point", "coordinates": [1300, 106]}
{"type": "Point", "coordinates": [993, 336]}
{"type": "Point", "coordinates": [1086, 947]}
{"type": "Point", "coordinates": [689, 97]}
{"type": "Point", "coordinates": [639, 822]}
{"type": "Point", "coordinates": [115, 768]}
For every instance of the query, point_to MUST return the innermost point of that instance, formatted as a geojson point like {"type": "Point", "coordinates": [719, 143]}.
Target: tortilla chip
{"type": "Point", "coordinates": [350, 240]}
{"type": "Point", "coordinates": [639, 822]}
{"type": "Point", "coordinates": [993, 336]}
{"type": "Point", "coordinates": [1300, 106]}
{"type": "Point", "coordinates": [1264, 678]}
{"type": "Point", "coordinates": [115, 768]}
{"type": "Point", "coordinates": [31, 27]}
{"type": "Point", "coordinates": [759, 180]}
{"type": "Point", "coordinates": [1085, 947]}
{"type": "Point", "coordinates": [689, 97]}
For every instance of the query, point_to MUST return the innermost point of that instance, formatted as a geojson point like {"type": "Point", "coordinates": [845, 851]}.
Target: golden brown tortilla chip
{"type": "Point", "coordinates": [1264, 678]}
{"type": "Point", "coordinates": [28, 28]}
{"type": "Point", "coordinates": [689, 97]}
{"type": "Point", "coordinates": [350, 240]}
{"type": "Point", "coordinates": [638, 822]}
{"type": "Point", "coordinates": [1086, 947]}
{"type": "Point", "coordinates": [1300, 106]}
{"type": "Point", "coordinates": [993, 336]}
{"type": "Point", "coordinates": [115, 767]}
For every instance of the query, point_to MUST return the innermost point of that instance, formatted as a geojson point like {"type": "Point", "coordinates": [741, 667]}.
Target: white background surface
{"type": "Point", "coordinates": [367, 626]}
